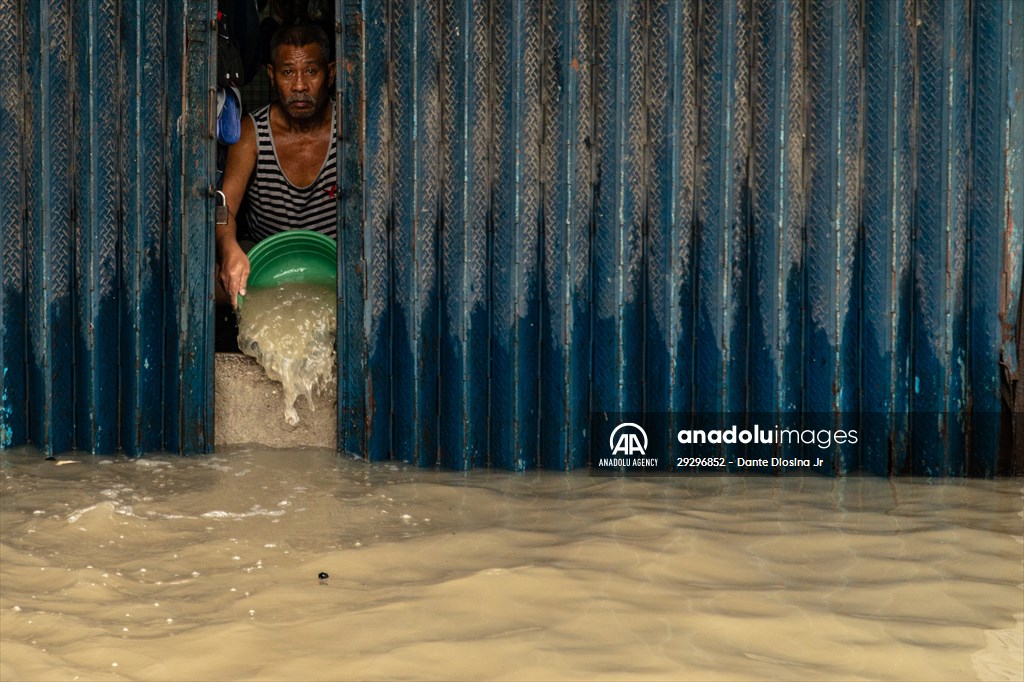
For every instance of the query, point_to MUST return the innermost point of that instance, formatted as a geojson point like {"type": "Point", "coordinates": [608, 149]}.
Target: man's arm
{"type": "Point", "coordinates": [234, 264]}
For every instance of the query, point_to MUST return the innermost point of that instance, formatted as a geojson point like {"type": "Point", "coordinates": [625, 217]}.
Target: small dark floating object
{"type": "Point", "coordinates": [323, 578]}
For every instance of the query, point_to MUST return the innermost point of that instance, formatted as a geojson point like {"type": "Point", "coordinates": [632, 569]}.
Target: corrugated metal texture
{"type": "Point", "coordinates": [377, 221]}
{"type": "Point", "coordinates": [720, 227]}
{"type": "Point", "coordinates": [352, 279]}
{"type": "Point", "coordinates": [801, 211]}
{"type": "Point", "coordinates": [13, 397]}
{"type": "Point", "coordinates": [940, 292]}
{"type": "Point", "coordinates": [888, 215]}
{"type": "Point", "coordinates": [1010, 27]}
{"type": "Point", "coordinates": [515, 256]}
{"type": "Point", "coordinates": [672, 64]}
{"type": "Point", "coordinates": [465, 179]}
{"type": "Point", "coordinates": [777, 212]}
{"type": "Point", "coordinates": [832, 219]}
{"type": "Point", "coordinates": [107, 247]}
{"type": "Point", "coordinates": [143, 190]}
{"type": "Point", "coordinates": [49, 229]}
{"type": "Point", "coordinates": [416, 47]}
{"type": "Point", "coordinates": [565, 312]}
{"type": "Point", "coordinates": [620, 181]}
{"type": "Point", "coordinates": [189, 255]}
{"type": "Point", "coordinates": [97, 144]}
{"type": "Point", "coordinates": [804, 212]}
{"type": "Point", "coordinates": [996, 235]}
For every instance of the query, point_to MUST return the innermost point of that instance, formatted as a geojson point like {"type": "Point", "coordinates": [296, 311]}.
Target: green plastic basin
{"type": "Point", "coordinates": [295, 256]}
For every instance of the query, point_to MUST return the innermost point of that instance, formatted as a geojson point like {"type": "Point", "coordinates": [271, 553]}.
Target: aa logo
{"type": "Point", "coordinates": [628, 439]}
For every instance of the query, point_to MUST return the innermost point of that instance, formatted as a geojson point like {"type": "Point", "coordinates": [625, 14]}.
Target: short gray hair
{"type": "Point", "coordinates": [299, 34]}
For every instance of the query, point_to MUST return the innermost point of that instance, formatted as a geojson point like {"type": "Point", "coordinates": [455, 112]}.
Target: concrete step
{"type": "Point", "coordinates": [249, 409]}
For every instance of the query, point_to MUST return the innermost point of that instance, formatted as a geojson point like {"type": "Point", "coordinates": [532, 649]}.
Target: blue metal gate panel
{"type": "Point", "coordinates": [672, 66]}
{"type": "Point", "coordinates": [565, 314]}
{"type": "Point", "coordinates": [831, 360]}
{"type": "Point", "coordinates": [620, 187]}
{"type": "Point", "coordinates": [464, 223]}
{"type": "Point", "coordinates": [720, 225]}
{"type": "Point", "coordinates": [805, 212]}
{"type": "Point", "coordinates": [91, 203]}
{"type": "Point", "coordinates": [777, 213]}
{"type": "Point", "coordinates": [49, 238]}
{"type": "Point", "coordinates": [352, 278]}
{"type": "Point", "coordinates": [997, 221]}
{"type": "Point", "coordinates": [888, 215]}
{"type": "Point", "coordinates": [143, 203]}
{"type": "Point", "coordinates": [515, 285]}
{"type": "Point", "coordinates": [1011, 31]}
{"type": "Point", "coordinates": [13, 399]}
{"type": "Point", "coordinates": [188, 321]}
{"type": "Point", "coordinates": [415, 115]}
{"type": "Point", "coordinates": [940, 292]}
{"type": "Point", "coordinates": [727, 211]}
{"type": "Point", "coordinates": [378, 218]}
{"type": "Point", "coordinates": [97, 138]}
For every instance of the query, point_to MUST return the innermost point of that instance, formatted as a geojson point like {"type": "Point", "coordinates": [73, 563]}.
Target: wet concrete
{"type": "Point", "coordinates": [249, 408]}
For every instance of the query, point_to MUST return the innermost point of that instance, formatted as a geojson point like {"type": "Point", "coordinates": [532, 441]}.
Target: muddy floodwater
{"type": "Point", "coordinates": [172, 568]}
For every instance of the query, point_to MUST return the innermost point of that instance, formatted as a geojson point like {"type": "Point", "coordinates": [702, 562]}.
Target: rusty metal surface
{"type": "Point", "coordinates": [1011, 28]}
{"type": "Point", "coordinates": [940, 285]}
{"type": "Point", "coordinates": [996, 236]}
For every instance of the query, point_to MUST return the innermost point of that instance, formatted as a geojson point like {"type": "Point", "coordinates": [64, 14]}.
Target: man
{"type": "Point", "coordinates": [284, 161]}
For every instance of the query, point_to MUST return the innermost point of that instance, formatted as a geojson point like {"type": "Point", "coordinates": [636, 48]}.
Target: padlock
{"type": "Point", "coordinates": [220, 213]}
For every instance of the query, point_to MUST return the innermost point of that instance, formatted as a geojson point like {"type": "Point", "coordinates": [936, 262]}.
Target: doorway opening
{"type": "Point", "coordinates": [245, 31]}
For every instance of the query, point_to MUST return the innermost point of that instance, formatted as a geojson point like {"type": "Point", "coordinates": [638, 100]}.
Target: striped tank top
{"type": "Point", "coordinates": [275, 204]}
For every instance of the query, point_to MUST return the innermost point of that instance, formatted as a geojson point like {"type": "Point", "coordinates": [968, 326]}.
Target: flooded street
{"type": "Point", "coordinates": [207, 568]}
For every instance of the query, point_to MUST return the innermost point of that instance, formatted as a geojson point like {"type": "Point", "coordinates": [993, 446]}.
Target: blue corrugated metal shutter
{"type": "Point", "coordinates": [809, 211]}
{"type": "Point", "coordinates": [354, 387]}
{"type": "Point", "coordinates": [13, 308]}
{"type": "Point", "coordinates": [803, 211]}
{"type": "Point", "coordinates": [106, 254]}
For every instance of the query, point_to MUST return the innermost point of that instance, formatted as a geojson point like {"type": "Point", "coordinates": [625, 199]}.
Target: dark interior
{"type": "Point", "coordinates": [245, 29]}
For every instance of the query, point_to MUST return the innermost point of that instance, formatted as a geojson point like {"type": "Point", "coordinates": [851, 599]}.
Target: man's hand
{"type": "Point", "coordinates": [234, 270]}
{"type": "Point", "coordinates": [233, 264]}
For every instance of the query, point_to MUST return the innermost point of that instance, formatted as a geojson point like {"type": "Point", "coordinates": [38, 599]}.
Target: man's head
{"type": "Point", "coordinates": [299, 69]}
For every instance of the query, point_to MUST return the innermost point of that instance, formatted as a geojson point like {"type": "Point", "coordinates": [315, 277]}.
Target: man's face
{"type": "Point", "coordinates": [301, 77]}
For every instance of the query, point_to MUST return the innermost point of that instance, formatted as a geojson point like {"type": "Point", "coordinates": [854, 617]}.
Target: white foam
{"type": "Point", "coordinates": [254, 511]}
{"type": "Point", "coordinates": [290, 330]}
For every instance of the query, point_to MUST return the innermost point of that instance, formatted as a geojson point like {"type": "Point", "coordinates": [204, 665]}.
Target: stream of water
{"type": "Point", "coordinates": [291, 330]}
